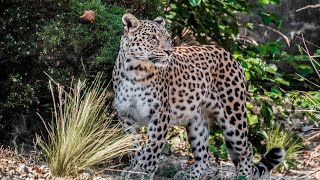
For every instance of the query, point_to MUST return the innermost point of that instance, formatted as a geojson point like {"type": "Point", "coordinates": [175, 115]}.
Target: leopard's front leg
{"type": "Point", "coordinates": [130, 125]}
{"type": "Point", "coordinates": [148, 157]}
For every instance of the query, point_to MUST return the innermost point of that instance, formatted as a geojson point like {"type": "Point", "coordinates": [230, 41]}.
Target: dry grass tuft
{"type": "Point", "coordinates": [291, 142]}
{"type": "Point", "coordinates": [82, 133]}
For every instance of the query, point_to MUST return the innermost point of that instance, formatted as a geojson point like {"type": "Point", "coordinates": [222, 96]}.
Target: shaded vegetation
{"type": "Point", "coordinates": [50, 37]}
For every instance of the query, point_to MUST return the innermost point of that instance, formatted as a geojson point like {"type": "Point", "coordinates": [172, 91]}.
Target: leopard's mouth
{"type": "Point", "coordinates": [159, 60]}
{"type": "Point", "coordinates": [154, 59]}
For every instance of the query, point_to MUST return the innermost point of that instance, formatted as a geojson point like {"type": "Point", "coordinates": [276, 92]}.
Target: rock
{"type": "Point", "coordinates": [89, 171]}
{"type": "Point", "coordinates": [307, 128]}
{"type": "Point", "coordinates": [85, 175]}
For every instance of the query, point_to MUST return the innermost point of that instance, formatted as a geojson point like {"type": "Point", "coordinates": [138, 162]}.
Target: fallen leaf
{"type": "Point", "coordinates": [88, 15]}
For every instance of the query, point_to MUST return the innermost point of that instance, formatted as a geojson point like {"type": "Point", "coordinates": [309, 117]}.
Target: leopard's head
{"type": "Point", "coordinates": [146, 42]}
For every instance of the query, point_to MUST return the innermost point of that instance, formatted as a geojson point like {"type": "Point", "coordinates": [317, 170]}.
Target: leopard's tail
{"type": "Point", "coordinates": [274, 157]}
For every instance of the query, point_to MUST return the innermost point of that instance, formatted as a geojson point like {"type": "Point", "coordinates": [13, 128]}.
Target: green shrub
{"type": "Point", "coordinates": [141, 8]}
{"type": "Point", "coordinates": [214, 20]}
{"type": "Point", "coordinates": [20, 70]}
{"type": "Point", "coordinates": [50, 37]}
{"type": "Point", "coordinates": [79, 47]}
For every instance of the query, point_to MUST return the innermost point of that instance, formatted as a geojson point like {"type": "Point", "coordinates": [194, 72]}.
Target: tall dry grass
{"type": "Point", "coordinates": [81, 133]}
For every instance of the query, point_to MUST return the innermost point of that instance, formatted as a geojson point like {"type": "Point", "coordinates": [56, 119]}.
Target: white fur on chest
{"type": "Point", "coordinates": [135, 104]}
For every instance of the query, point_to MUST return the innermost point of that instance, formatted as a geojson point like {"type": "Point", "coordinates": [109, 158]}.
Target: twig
{"type": "Point", "coordinates": [313, 154]}
{"type": "Point", "coordinates": [315, 56]}
{"type": "Point", "coordinates": [310, 98]}
{"type": "Point", "coordinates": [307, 80]}
{"type": "Point", "coordinates": [250, 41]}
{"type": "Point", "coordinates": [306, 110]}
{"type": "Point", "coordinates": [309, 42]}
{"type": "Point", "coordinates": [308, 7]}
{"type": "Point", "coordinates": [317, 170]}
{"type": "Point", "coordinates": [314, 136]}
{"type": "Point", "coordinates": [3, 61]}
{"type": "Point", "coordinates": [311, 59]}
{"type": "Point", "coordinates": [119, 170]}
{"type": "Point", "coordinates": [278, 32]}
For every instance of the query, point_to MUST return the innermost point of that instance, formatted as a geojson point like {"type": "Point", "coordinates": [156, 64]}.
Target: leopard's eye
{"type": "Point", "coordinates": [169, 41]}
{"type": "Point", "coordinates": [154, 42]}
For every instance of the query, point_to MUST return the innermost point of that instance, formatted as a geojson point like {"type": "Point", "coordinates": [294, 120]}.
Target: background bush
{"type": "Point", "coordinates": [40, 37]}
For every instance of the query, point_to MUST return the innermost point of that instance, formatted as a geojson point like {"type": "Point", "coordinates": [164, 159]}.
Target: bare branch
{"type": "Point", "coordinates": [308, 7]}
{"type": "Point", "coordinates": [307, 80]}
{"type": "Point", "coordinates": [278, 32]}
{"type": "Point", "coordinates": [248, 40]}
{"type": "Point", "coordinates": [312, 60]}
{"type": "Point", "coordinates": [309, 42]}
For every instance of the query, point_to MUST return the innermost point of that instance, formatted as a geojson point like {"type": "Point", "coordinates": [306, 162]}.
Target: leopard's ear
{"type": "Point", "coordinates": [160, 20]}
{"type": "Point", "coordinates": [130, 22]}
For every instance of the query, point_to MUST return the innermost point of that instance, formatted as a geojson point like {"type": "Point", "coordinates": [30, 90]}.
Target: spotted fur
{"type": "Point", "coordinates": [158, 85]}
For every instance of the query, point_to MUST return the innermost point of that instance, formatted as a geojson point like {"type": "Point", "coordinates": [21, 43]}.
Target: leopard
{"type": "Point", "coordinates": [157, 86]}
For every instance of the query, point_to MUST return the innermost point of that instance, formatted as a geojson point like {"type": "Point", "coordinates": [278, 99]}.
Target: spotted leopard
{"type": "Point", "coordinates": [158, 85]}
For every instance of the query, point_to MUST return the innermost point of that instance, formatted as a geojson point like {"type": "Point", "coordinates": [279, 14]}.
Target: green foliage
{"type": "Point", "coordinates": [216, 145]}
{"type": "Point", "coordinates": [20, 95]}
{"type": "Point", "coordinates": [268, 82]}
{"type": "Point", "coordinates": [252, 119]}
{"type": "Point", "coordinates": [195, 2]}
{"type": "Point", "coordinates": [19, 67]}
{"type": "Point", "coordinates": [13, 80]}
{"type": "Point", "coordinates": [168, 171]}
{"type": "Point", "coordinates": [268, 18]}
{"type": "Point", "coordinates": [269, 1]}
{"type": "Point", "coordinates": [141, 8]}
{"type": "Point", "coordinates": [67, 39]}
{"type": "Point", "coordinates": [82, 133]}
{"type": "Point", "coordinates": [214, 20]}
{"type": "Point", "coordinates": [220, 152]}
{"type": "Point", "coordinates": [272, 89]}
{"type": "Point", "coordinates": [309, 103]}
{"type": "Point", "coordinates": [241, 178]}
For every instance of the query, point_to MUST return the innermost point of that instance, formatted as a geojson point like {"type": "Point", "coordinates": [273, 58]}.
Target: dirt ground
{"type": "Point", "coordinates": [29, 165]}
{"type": "Point", "coordinates": [13, 166]}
